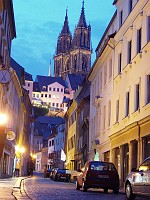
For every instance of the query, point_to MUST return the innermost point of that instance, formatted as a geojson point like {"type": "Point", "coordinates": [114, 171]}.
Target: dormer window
{"type": "Point", "coordinates": [44, 88]}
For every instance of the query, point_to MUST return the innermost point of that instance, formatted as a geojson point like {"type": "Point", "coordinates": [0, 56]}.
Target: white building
{"type": "Point", "coordinates": [125, 102]}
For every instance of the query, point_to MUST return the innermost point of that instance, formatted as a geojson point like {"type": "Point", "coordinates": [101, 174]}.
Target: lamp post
{"type": "Point", "coordinates": [3, 121]}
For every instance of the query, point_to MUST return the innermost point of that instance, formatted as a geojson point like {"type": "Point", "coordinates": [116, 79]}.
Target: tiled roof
{"type": "Point", "coordinates": [36, 87]}
{"type": "Point", "coordinates": [18, 69]}
{"type": "Point", "coordinates": [75, 80]}
{"type": "Point", "coordinates": [47, 80]}
{"type": "Point", "coordinates": [28, 77]}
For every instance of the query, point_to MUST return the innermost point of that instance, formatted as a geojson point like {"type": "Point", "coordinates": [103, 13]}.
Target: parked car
{"type": "Point", "coordinates": [48, 172]}
{"type": "Point", "coordinates": [97, 174]}
{"type": "Point", "coordinates": [60, 174]}
{"type": "Point", "coordinates": [138, 181]}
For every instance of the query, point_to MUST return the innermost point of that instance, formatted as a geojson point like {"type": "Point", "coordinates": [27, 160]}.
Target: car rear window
{"type": "Point", "coordinates": [100, 166]}
{"type": "Point", "coordinates": [61, 171]}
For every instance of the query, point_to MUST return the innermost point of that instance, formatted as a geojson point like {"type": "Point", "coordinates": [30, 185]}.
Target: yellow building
{"type": "Point", "coordinates": [70, 136]}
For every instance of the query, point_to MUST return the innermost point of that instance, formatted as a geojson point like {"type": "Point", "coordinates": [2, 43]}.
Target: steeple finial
{"type": "Point", "coordinates": [82, 21]}
{"type": "Point", "coordinates": [65, 29]}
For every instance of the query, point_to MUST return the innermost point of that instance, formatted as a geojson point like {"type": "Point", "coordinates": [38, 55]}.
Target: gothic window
{"type": "Point", "coordinates": [84, 64]}
{"type": "Point", "coordinates": [75, 63]}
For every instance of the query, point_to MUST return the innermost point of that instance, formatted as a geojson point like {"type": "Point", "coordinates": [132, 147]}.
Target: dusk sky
{"type": "Point", "coordinates": [39, 22]}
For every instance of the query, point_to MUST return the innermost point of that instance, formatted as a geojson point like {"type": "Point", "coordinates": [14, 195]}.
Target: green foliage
{"type": "Point", "coordinates": [40, 111]}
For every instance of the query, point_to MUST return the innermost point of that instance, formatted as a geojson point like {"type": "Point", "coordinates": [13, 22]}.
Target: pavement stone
{"type": "Point", "coordinates": [12, 188]}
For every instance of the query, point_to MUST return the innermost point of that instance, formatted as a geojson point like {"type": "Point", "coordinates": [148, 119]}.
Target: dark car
{"type": "Point", "coordinates": [97, 174]}
{"type": "Point", "coordinates": [138, 181]}
{"type": "Point", "coordinates": [60, 174]}
{"type": "Point", "coordinates": [48, 172]}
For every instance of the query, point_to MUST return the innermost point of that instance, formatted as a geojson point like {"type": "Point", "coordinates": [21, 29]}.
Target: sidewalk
{"type": "Point", "coordinates": [11, 188]}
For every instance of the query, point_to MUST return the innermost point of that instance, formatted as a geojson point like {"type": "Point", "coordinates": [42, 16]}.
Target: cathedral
{"type": "Point", "coordinates": [73, 53]}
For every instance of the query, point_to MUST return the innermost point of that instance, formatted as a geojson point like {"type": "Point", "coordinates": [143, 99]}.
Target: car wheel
{"type": "Point", "coordinates": [105, 190]}
{"type": "Point", "coordinates": [84, 186]}
{"type": "Point", "coordinates": [129, 194]}
{"type": "Point", "coordinates": [77, 186]}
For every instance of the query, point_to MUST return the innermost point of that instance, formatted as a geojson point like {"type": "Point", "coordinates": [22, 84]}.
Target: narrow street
{"type": "Point", "coordinates": [39, 188]}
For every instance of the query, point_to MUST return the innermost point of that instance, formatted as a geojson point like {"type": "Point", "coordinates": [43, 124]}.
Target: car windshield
{"type": "Point", "coordinates": [102, 166]}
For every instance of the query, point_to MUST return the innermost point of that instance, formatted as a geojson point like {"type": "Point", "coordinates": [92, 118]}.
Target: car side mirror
{"type": "Point", "coordinates": [134, 170]}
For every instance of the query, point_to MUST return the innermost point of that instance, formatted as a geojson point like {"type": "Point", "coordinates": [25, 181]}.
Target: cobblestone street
{"type": "Point", "coordinates": [39, 188]}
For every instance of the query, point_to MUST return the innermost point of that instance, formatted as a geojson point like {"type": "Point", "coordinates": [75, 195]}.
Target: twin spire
{"type": "Point", "coordinates": [81, 23]}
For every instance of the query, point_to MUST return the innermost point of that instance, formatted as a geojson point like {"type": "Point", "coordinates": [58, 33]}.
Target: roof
{"type": "Point", "coordinates": [36, 87]}
{"type": "Point", "coordinates": [50, 120]}
{"type": "Point", "coordinates": [115, 1]}
{"type": "Point", "coordinates": [28, 77]}
{"type": "Point", "coordinates": [47, 80]}
{"type": "Point", "coordinates": [18, 69]}
{"type": "Point", "coordinates": [75, 80]}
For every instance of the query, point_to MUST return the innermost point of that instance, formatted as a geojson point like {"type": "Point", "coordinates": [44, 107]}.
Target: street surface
{"type": "Point", "coordinates": [39, 188]}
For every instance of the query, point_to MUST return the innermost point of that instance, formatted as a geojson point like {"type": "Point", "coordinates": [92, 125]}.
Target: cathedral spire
{"type": "Point", "coordinates": [65, 29]}
{"type": "Point", "coordinates": [82, 21]}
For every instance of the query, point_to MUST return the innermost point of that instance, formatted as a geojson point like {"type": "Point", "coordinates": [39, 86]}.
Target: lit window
{"type": "Point", "coordinates": [54, 96]}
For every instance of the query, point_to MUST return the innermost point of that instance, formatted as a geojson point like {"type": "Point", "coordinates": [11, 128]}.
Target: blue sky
{"type": "Point", "coordinates": [39, 22]}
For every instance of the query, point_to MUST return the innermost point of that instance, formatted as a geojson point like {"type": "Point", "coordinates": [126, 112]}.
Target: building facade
{"type": "Point", "coordinates": [124, 106]}
{"type": "Point", "coordinates": [73, 54]}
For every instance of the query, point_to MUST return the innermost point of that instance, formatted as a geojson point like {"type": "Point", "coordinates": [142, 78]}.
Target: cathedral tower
{"type": "Point", "coordinates": [73, 56]}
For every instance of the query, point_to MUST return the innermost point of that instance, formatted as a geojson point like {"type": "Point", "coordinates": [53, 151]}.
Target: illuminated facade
{"type": "Point", "coordinates": [123, 103]}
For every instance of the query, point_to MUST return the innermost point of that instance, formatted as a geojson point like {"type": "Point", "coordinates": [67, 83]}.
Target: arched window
{"type": "Point", "coordinates": [84, 64]}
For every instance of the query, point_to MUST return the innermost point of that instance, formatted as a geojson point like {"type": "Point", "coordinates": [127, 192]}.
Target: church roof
{"type": "Point", "coordinates": [65, 29]}
{"type": "Point", "coordinates": [82, 21]}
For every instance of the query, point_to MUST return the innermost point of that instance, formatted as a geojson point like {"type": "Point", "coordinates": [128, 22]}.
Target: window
{"type": "Point", "coordinates": [57, 104]}
{"type": "Point", "coordinates": [139, 38]}
{"type": "Point", "coordinates": [45, 95]}
{"type": "Point", "coordinates": [33, 95]}
{"type": "Point", "coordinates": [37, 95]}
{"type": "Point", "coordinates": [119, 63]}
{"type": "Point", "coordinates": [104, 117]}
{"type": "Point", "coordinates": [52, 142]}
{"type": "Point", "coordinates": [129, 51]}
{"type": "Point", "coordinates": [110, 68]}
{"type": "Point", "coordinates": [127, 103]}
{"type": "Point", "coordinates": [57, 89]}
{"type": "Point", "coordinates": [53, 104]}
{"type": "Point", "coordinates": [50, 88]}
{"type": "Point", "coordinates": [120, 19]}
{"type": "Point", "coordinates": [109, 112]}
{"type": "Point", "coordinates": [49, 95]}
{"type": "Point", "coordinates": [54, 96]}
{"type": "Point", "coordinates": [28, 84]}
{"type": "Point", "coordinates": [53, 89]}
{"type": "Point", "coordinates": [62, 90]}
{"type": "Point", "coordinates": [100, 80]}
{"type": "Point", "coordinates": [41, 95]}
{"type": "Point", "coordinates": [137, 105]}
{"type": "Point", "coordinates": [105, 74]}
{"type": "Point", "coordinates": [148, 88]}
{"type": "Point", "coordinates": [57, 96]}
{"type": "Point", "coordinates": [148, 28]}
{"type": "Point", "coordinates": [130, 5]}
{"type": "Point", "coordinates": [117, 110]}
